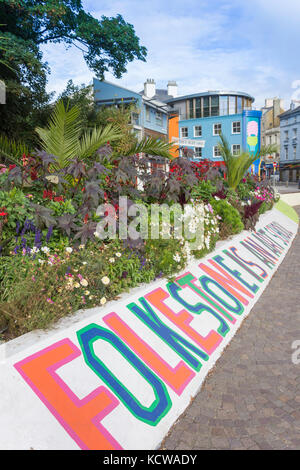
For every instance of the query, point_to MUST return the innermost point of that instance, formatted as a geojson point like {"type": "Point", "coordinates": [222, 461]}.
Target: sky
{"type": "Point", "coordinates": [250, 46]}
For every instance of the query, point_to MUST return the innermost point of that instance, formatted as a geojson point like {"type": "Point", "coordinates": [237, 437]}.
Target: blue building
{"type": "Point", "coordinates": [204, 116]}
{"type": "Point", "coordinates": [151, 116]}
{"type": "Point", "coordinates": [290, 144]}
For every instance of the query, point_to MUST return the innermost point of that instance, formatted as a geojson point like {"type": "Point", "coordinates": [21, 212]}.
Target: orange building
{"type": "Point", "coordinates": [173, 128]}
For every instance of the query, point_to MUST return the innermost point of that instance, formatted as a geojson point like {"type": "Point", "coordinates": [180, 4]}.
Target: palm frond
{"type": "Point", "coordinates": [92, 140]}
{"type": "Point", "coordinates": [61, 137]}
{"type": "Point", "coordinates": [12, 150]}
{"type": "Point", "coordinates": [151, 146]}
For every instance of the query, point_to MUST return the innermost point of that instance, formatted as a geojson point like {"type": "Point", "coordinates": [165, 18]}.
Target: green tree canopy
{"type": "Point", "coordinates": [107, 44]}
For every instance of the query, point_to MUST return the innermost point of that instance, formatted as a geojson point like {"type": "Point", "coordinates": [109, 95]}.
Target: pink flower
{"type": "Point", "coordinates": [50, 301]}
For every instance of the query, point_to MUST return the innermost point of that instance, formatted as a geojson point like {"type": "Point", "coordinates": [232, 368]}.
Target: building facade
{"type": "Point", "coordinates": [203, 117]}
{"type": "Point", "coordinates": [151, 116]}
{"type": "Point", "coordinates": [290, 144]}
{"type": "Point", "coordinates": [270, 132]}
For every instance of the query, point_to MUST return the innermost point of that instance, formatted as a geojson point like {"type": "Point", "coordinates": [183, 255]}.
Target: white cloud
{"type": "Point", "coordinates": [237, 45]}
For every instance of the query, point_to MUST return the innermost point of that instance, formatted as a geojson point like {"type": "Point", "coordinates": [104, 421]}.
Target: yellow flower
{"type": "Point", "coordinates": [103, 301]}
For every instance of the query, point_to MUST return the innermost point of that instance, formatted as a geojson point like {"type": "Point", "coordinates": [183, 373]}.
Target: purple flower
{"type": "Point", "coordinates": [49, 233]}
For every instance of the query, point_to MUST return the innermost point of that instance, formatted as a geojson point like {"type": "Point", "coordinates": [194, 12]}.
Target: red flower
{"type": "Point", "coordinates": [3, 213]}
{"type": "Point", "coordinates": [86, 218]}
{"type": "Point", "coordinates": [58, 199]}
{"type": "Point", "coordinates": [11, 167]}
{"type": "Point", "coordinates": [48, 195]}
{"type": "Point", "coordinates": [33, 174]}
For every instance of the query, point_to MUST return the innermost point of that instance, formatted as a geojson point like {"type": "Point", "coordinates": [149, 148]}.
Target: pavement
{"type": "Point", "coordinates": [251, 399]}
{"type": "Point", "coordinates": [291, 188]}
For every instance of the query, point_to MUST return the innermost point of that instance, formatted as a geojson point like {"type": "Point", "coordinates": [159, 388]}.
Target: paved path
{"type": "Point", "coordinates": [251, 400]}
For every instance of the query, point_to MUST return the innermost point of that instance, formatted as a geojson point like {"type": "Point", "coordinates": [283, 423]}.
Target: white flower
{"type": "Point", "coordinates": [105, 280]}
{"type": "Point", "coordinates": [84, 262]}
{"type": "Point", "coordinates": [96, 234]}
{"type": "Point", "coordinates": [217, 198]}
{"type": "Point", "coordinates": [84, 282]}
{"type": "Point", "coordinates": [41, 261]}
{"type": "Point", "coordinates": [86, 292]}
{"type": "Point", "coordinates": [118, 255]}
{"type": "Point", "coordinates": [103, 301]}
{"type": "Point", "coordinates": [176, 258]}
{"type": "Point", "coordinates": [45, 249]}
{"type": "Point", "coordinates": [35, 250]}
{"type": "Point", "coordinates": [111, 260]}
{"type": "Point", "coordinates": [69, 249]}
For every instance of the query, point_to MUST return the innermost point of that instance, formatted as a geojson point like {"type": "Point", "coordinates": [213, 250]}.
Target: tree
{"type": "Point", "coordinates": [106, 44]}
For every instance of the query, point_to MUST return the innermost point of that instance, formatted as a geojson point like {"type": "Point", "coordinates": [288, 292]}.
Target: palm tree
{"type": "Point", "coordinates": [237, 165]}
{"type": "Point", "coordinates": [64, 139]}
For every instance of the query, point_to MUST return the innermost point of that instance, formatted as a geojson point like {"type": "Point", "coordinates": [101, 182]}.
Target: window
{"type": "Point", "coordinates": [286, 134]}
{"type": "Point", "coordinates": [223, 105]}
{"type": "Point", "coordinates": [214, 106]}
{"type": "Point", "coordinates": [217, 152]}
{"type": "Point", "coordinates": [135, 119]}
{"type": "Point", "coordinates": [286, 153]}
{"type": "Point", "coordinates": [198, 108]}
{"type": "Point", "coordinates": [295, 152]}
{"type": "Point", "coordinates": [295, 132]}
{"type": "Point", "coordinates": [236, 127]}
{"type": "Point", "coordinates": [184, 132]}
{"type": "Point", "coordinates": [217, 129]}
{"type": "Point", "coordinates": [158, 118]}
{"type": "Point", "coordinates": [191, 109]}
{"type": "Point", "coordinates": [147, 113]}
{"type": "Point", "coordinates": [198, 152]}
{"type": "Point", "coordinates": [236, 149]}
{"type": "Point", "coordinates": [206, 106]}
{"type": "Point", "coordinates": [197, 131]}
{"type": "Point", "coordinates": [239, 105]}
{"type": "Point", "coordinates": [231, 105]}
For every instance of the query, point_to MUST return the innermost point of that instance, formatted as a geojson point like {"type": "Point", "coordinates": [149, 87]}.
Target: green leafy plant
{"type": "Point", "coordinates": [236, 166]}
{"type": "Point", "coordinates": [64, 139]}
{"type": "Point", "coordinates": [203, 190]}
{"type": "Point", "coordinates": [230, 219]}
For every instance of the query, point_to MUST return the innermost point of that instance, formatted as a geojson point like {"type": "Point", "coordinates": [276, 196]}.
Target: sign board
{"type": "Point", "coordinates": [119, 376]}
{"type": "Point", "coordinates": [182, 142]}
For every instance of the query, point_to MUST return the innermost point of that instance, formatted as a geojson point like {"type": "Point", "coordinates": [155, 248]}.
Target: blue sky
{"type": "Point", "coordinates": [250, 46]}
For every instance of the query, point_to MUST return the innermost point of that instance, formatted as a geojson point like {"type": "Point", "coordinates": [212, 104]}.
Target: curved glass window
{"type": "Point", "coordinates": [231, 107]}
{"type": "Point", "coordinates": [223, 105]}
{"type": "Point", "coordinates": [214, 106]}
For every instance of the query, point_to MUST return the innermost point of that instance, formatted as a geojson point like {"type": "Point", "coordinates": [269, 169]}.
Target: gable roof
{"type": "Point", "coordinates": [290, 112]}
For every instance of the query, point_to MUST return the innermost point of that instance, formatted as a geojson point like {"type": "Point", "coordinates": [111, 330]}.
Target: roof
{"type": "Point", "coordinates": [290, 112]}
{"type": "Point", "coordinates": [212, 93]}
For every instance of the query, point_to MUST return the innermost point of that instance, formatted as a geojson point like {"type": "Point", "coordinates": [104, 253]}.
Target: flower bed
{"type": "Point", "coordinates": [52, 262]}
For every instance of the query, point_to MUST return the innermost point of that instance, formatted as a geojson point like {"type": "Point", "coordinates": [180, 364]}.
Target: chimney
{"type": "Point", "coordinates": [172, 89]}
{"type": "Point", "coordinates": [149, 88]}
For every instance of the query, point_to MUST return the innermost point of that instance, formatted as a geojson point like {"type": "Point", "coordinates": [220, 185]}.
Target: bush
{"type": "Point", "coordinates": [203, 190]}
{"type": "Point", "coordinates": [230, 219]}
